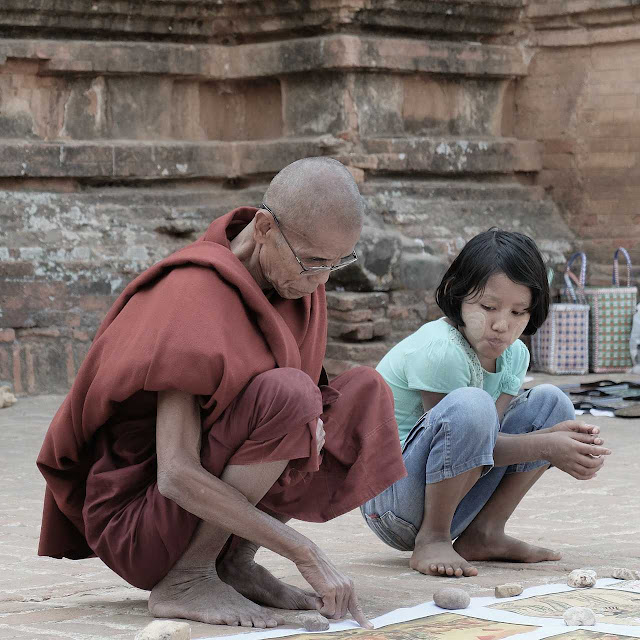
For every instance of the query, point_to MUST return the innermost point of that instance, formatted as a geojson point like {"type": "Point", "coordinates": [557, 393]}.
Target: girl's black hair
{"type": "Point", "coordinates": [495, 251]}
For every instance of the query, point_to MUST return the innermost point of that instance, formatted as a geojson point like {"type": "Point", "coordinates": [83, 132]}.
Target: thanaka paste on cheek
{"type": "Point", "coordinates": [475, 324]}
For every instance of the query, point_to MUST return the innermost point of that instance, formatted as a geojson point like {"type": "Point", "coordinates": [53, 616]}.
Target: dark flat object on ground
{"type": "Point", "coordinates": [613, 404]}
{"type": "Point", "coordinates": [628, 412]}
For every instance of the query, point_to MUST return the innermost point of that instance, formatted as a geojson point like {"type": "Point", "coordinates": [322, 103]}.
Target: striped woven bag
{"type": "Point", "coordinates": [611, 315]}
{"type": "Point", "coordinates": [561, 344]}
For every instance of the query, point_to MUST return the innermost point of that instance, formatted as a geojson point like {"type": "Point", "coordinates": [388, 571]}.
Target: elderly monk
{"type": "Point", "coordinates": [201, 419]}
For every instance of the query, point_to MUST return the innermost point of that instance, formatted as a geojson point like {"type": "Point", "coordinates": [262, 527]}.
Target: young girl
{"type": "Point", "coordinates": [481, 445]}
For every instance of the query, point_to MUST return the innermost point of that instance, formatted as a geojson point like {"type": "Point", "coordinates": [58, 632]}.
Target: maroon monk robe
{"type": "Point", "coordinates": [198, 322]}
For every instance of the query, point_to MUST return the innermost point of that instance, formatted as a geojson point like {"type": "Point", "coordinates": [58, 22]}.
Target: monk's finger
{"type": "Point", "coordinates": [358, 614]}
{"type": "Point", "coordinates": [342, 601]}
{"type": "Point", "coordinates": [329, 604]}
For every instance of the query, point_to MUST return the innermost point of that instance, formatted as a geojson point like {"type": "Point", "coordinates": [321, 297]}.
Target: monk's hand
{"type": "Point", "coordinates": [320, 435]}
{"type": "Point", "coordinates": [575, 449]}
{"type": "Point", "coordinates": [336, 591]}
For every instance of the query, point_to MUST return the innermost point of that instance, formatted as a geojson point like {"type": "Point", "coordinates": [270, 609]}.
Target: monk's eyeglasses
{"type": "Point", "coordinates": [344, 262]}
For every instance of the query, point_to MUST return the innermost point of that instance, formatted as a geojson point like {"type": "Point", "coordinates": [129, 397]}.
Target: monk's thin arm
{"type": "Point", "coordinates": [183, 479]}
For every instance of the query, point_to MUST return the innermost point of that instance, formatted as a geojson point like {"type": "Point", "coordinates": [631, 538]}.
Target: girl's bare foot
{"type": "Point", "coordinates": [476, 545]}
{"type": "Point", "coordinates": [201, 596]}
{"type": "Point", "coordinates": [436, 556]}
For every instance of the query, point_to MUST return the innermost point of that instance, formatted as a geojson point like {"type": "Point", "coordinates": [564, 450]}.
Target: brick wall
{"type": "Point", "coordinates": [581, 99]}
{"type": "Point", "coordinates": [126, 127]}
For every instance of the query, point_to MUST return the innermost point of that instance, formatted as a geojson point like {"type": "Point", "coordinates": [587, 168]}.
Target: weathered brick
{"type": "Point", "coordinates": [7, 335]}
{"type": "Point", "coordinates": [357, 315]}
{"type": "Point", "coordinates": [362, 352]}
{"type": "Point", "coordinates": [5, 363]}
{"type": "Point", "coordinates": [44, 332]}
{"type": "Point", "coordinates": [334, 367]}
{"type": "Point", "coordinates": [349, 300]}
{"type": "Point", "coordinates": [381, 327]}
{"type": "Point", "coordinates": [352, 332]}
{"type": "Point", "coordinates": [558, 160]}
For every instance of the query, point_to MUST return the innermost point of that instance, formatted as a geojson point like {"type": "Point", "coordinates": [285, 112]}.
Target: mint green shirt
{"type": "Point", "coordinates": [438, 358]}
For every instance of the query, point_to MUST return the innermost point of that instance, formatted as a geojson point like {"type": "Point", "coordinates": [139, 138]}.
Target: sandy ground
{"type": "Point", "coordinates": [594, 524]}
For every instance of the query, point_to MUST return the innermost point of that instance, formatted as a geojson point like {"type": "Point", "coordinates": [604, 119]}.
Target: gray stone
{"type": "Point", "coordinates": [420, 272]}
{"type": "Point", "coordinates": [582, 578]}
{"type": "Point", "coordinates": [451, 598]}
{"type": "Point", "coordinates": [165, 630]}
{"type": "Point", "coordinates": [625, 574]}
{"type": "Point", "coordinates": [508, 590]}
{"type": "Point", "coordinates": [6, 397]}
{"type": "Point", "coordinates": [313, 621]}
{"type": "Point", "coordinates": [579, 617]}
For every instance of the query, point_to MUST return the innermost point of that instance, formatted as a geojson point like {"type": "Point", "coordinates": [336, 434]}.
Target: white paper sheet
{"type": "Point", "coordinates": [479, 608]}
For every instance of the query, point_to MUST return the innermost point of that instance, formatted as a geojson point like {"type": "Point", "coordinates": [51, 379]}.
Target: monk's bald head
{"type": "Point", "coordinates": [312, 193]}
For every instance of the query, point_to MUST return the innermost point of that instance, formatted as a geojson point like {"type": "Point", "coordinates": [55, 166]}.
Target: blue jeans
{"type": "Point", "coordinates": [457, 435]}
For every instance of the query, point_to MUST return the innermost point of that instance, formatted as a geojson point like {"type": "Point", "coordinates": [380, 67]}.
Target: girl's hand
{"type": "Point", "coordinates": [577, 427]}
{"type": "Point", "coordinates": [573, 451]}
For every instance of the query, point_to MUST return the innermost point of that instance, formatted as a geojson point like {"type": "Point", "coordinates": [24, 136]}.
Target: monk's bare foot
{"type": "Point", "coordinates": [203, 597]}
{"type": "Point", "coordinates": [239, 570]}
{"type": "Point", "coordinates": [436, 556]}
{"type": "Point", "coordinates": [476, 545]}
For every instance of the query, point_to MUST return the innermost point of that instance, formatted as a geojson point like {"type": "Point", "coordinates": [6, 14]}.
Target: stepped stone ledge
{"type": "Point", "coordinates": [164, 160]}
{"type": "Point", "coordinates": [216, 62]}
{"type": "Point", "coordinates": [449, 155]}
{"type": "Point", "coordinates": [582, 23]}
{"type": "Point", "coordinates": [233, 21]}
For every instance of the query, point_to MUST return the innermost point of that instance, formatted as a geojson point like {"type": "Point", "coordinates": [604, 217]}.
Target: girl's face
{"type": "Point", "coordinates": [496, 318]}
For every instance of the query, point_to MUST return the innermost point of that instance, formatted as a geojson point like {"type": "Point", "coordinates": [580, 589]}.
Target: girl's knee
{"type": "Point", "coordinates": [471, 403]}
{"type": "Point", "coordinates": [472, 411]}
{"type": "Point", "coordinates": [554, 400]}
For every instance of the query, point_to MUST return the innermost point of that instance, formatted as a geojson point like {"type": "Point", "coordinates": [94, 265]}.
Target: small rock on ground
{"type": "Point", "coordinates": [313, 621]}
{"type": "Point", "coordinates": [6, 397]}
{"type": "Point", "coordinates": [165, 630]}
{"type": "Point", "coordinates": [582, 578]}
{"type": "Point", "coordinates": [451, 598]}
{"type": "Point", "coordinates": [625, 574]}
{"type": "Point", "coordinates": [579, 617]}
{"type": "Point", "coordinates": [508, 590]}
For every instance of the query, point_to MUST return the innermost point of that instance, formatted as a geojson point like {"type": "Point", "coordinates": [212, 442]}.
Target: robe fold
{"type": "Point", "coordinates": [198, 322]}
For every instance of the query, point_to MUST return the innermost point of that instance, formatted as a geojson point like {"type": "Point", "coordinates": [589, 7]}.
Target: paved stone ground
{"type": "Point", "coordinates": [595, 524]}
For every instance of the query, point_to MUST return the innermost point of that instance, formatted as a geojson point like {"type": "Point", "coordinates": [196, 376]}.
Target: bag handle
{"type": "Point", "coordinates": [569, 276]}
{"type": "Point", "coordinates": [578, 296]}
{"type": "Point", "coordinates": [616, 274]}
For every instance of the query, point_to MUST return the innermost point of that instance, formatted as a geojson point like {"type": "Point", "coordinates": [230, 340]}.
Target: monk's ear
{"type": "Point", "coordinates": [263, 224]}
